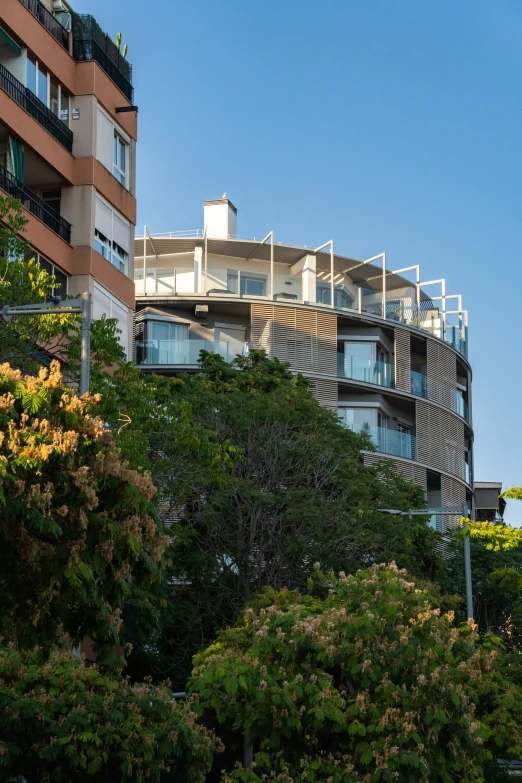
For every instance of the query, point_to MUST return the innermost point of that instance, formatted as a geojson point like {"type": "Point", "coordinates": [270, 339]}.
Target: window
{"type": "Point", "coordinates": [113, 148]}
{"type": "Point", "coordinates": [165, 343]}
{"type": "Point", "coordinates": [341, 296]}
{"type": "Point", "coordinates": [111, 251]}
{"type": "Point", "coordinates": [48, 89]}
{"type": "Point", "coordinates": [249, 285]}
{"type": "Point", "coordinates": [60, 278]}
{"type": "Point", "coordinates": [371, 421]}
{"type": "Point", "coordinates": [120, 159]}
{"type": "Point", "coordinates": [366, 361]}
{"type": "Point", "coordinates": [112, 235]}
{"type": "Point", "coordinates": [102, 245]}
{"type": "Point", "coordinates": [357, 419]}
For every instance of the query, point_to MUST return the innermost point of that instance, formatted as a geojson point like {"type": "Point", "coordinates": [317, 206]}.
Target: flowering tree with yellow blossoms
{"type": "Point", "coordinates": [366, 680]}
{"type": "Point", "coordinates": [78, 532]}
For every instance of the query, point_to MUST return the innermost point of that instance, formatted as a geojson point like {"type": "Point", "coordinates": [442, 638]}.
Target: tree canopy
{"type": "Point", "coordinates": [276, 483]}
{"type": "Point", "coordinates": [78, 531]}
{"type": "Point", "coordinates": [64, 721]}
{"type": "Point", "coordinates": [364, 679]}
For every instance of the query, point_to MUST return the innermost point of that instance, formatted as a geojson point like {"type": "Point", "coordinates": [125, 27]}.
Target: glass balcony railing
{"type": "Point", "coordinates": [419, 384]}
{"type": "Point", "coordinates": [183, 352]}
{"type": "Point", "coordinates": [360, 369]}
{"type": "Point", "coordinates": [398, 444]}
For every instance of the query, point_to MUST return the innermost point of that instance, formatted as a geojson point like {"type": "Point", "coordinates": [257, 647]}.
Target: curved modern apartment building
{"type": "Point", "coordinates": [384, 349]}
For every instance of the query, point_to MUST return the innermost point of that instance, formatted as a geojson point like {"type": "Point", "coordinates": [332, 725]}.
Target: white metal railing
{"type": "Point", "coordinates": [381, 293]}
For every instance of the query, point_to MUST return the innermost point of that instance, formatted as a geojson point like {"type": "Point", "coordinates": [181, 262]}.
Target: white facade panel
{"type": "Point", "coordinates": [105, 304]}
{"type": "Point", "coordinates": [104, 140]}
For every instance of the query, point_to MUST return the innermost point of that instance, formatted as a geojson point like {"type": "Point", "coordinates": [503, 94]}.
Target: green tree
{"type": "Point", "coordinates": [290, 489]}
{"type": "Point", "coordinates": [497, 587]}
{"type": "Point", "coordinates": [63, 721]}
{"type": "Point", "coordinates": [364, 679]}
{"type": "Point", "coordinates": [78, 532]}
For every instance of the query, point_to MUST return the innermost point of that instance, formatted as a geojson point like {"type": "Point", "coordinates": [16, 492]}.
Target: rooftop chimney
{"type": "Point", "coordinates": [220, 218]}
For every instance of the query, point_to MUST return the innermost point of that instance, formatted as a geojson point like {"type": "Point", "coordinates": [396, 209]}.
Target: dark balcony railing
{"type": "Point", "coordinates": [51, 24]}
{"type": "Point", "coordinates": [34, 106]}
{"type": "Point", "coordinates": [91, 43]}
{"type": "Point", "coordinates": [34, 204]}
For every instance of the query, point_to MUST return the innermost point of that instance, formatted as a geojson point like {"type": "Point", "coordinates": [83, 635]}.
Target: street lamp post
{"type": "Point", "coordinates": [448, 511]}
{"type": "Point", "coordinates": [58, 306]}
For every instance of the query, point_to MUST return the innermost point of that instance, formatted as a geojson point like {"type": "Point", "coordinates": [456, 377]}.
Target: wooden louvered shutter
{"type": "Point", "coordinates": [306, 339]}
{"type": "Point", "coordinates": [453, 494]}
{"type": "Point", "coordinates": [454, 454]}
{"type": "Point", "coordinates": [326, 361]}
{"type": "Point", "coordinates": [402, 360]}
{"type": "Point", "coordinates": [440, 439]}
{"type": "Point", "coordinates": [325, 392]}
{"type": "Point", "coordinates": [442, 375]}
{"type": "Point", "coordinates": [429, 434]}
{"type": "Point", "coordinates": [408, 470]}
{"type": "Point", "coordinates": [261, 323]}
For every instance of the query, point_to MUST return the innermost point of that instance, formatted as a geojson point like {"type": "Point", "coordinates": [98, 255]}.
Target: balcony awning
{"type": "Point", "coordinates": [6, 38]}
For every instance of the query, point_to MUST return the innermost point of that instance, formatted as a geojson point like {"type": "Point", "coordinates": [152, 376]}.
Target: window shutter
{"type": "Point", "coordinates": [402, 360]}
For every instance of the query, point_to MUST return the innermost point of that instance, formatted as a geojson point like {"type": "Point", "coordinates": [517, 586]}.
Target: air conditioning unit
{"type": "Point", "coordinates": [62, 14]}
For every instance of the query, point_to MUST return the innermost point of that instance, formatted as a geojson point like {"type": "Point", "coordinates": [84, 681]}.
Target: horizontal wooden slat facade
{"type": "Point", "coordinates": [306, 339]}
{"type": "Point", "coordinates": [442, 374]}
{"type": "Point", "coordinates": [408, 470]}
{"type": "Point", "coordinates": [440, 439]}
{"type": "Point", "coordinates": [325, 392]}
{"type": "Point", "coordinates": [453, 494]}
{"type": "Point", "coordinates": [402, 360]}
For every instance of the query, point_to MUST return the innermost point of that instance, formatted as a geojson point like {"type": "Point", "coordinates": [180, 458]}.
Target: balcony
{"type": "Point", "coordinates": [34, 106]}
{"type": "Point", "coordinates": [91, 43]}
{"type": "Point", "coordinates": [51, 24]}
{"type": "Point", "coordinates": [182, 352]}
{"type": "Point", "coordinates": [361, 369]}
{"type": "Point", "coordinates": [397, 444]}
{"type": "Point", "coordinates": [34, 204]}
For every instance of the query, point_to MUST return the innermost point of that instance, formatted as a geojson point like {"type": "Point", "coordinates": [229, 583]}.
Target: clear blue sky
{"type": "Point", "coordinates": [388, 124]}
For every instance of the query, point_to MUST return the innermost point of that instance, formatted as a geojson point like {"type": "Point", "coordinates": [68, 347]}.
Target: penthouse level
{"type": "Point", "coordinates": [383, 348]}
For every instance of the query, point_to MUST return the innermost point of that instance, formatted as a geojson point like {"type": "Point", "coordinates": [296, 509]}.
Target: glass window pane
{"type": "Point", "coordinates": [64, 107]}
{"type": "Point", "coordinates": [232, 282]}
{"type": "Point", "coordinates": [54, 105]}
{"type": "Point", "coordinates": [45, 265]}
{"type": "Point", "coordinates": [61, 282]}
{"type": "Point", "coordinates": [323, 295]}
{"type": "Point", "coordinates": [42, 86]}
{"type": "Point", "coordinates": [252, 287]}
{"type": "Point", "coordinates": [31, 75]}
{"type": "Point", "coordinates": [365, 350]}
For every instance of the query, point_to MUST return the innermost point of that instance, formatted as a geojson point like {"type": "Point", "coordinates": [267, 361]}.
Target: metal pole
{"type": "Point", "coordinates": [144, 260]}
{"type": "Point", "coordinates": [85, 363]}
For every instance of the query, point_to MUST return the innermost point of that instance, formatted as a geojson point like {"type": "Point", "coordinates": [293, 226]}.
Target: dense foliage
{"type": "Point", "coordinates": [271, 483]}
{"type": "Point", "coordinates": [77, 526]}
{"type": "Point", "coordinates": [64, 721]}
{"type": "Point", "coordinates": [370, 682]}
